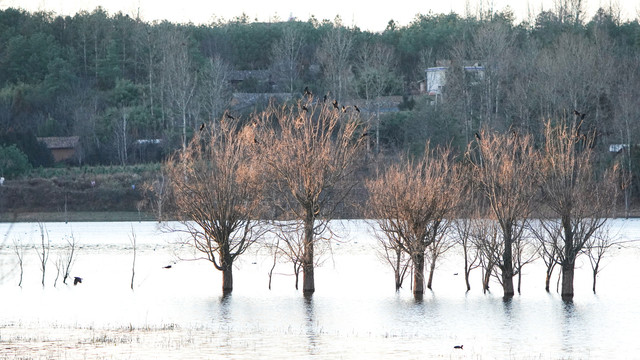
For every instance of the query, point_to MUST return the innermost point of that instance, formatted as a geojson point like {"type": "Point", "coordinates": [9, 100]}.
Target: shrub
{"type": "Point", "coordinates": [13, 162]}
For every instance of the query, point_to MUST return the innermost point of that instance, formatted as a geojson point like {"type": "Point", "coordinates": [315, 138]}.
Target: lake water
{"type": "Point", "coordinates": [179, 312]}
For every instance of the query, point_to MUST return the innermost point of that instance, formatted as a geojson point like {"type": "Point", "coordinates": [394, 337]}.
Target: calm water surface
{"type": "Point", "coordinates": [355, 313]}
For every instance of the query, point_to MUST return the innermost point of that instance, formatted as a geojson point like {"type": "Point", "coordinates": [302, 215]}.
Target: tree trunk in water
{"type": "Point", "coordinates": [432, 269]}
{"type": "Point", "coordinates": [485, 280]}
{"type": "Point", "coordinates": [548, 278]}
{"type": "Point", "coordinates": [308, 283]}
{"type": "Point", "coordinates": [466, 269]}
{"type": "Point", "coordinates": [466, 279]}
{"type": "Point", "coordinates": [567, 279]}
{"type": "Point", "coordinates": [227, 280]}
{"type": "Point", "coordinates": [568, 263]}
{"type": "Point", "coordinates": [507, 268]}
{"type": "Point", "coordinates": [398, 280]}
{"type": "Point", "coordinates": [418, 275]}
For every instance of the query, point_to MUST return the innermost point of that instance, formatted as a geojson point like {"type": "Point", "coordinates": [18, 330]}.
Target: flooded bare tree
{"type": "Point", "coordinates": [134, 247]}
{"type": "Point", "coordinates": [506, 172]}
{"type": "Point", "coordinates": [411, 201]}
{"type": "Point", "coordinates": [44, 250]}
{"type": "Point", "coordinates": [598, 246]}
{"type": "Point", "coordinates": [18, 249]}
{"type": "Point", "coordinates": [547, 249]}
{"type": "Point", "coordinates": [68, 256]}
{"type": "Point", "coordinates": [576, 195]}
{"type": "Point", "coordinates": [217, 187]}
{"type": "Point", "coordinates": [311, 156]}
{"type": "Point", "coordinates": [391, 252]}
{"type": "Point", "coordinates": [485, 237]}
{"type": "Point", "coordinates": [463, 224]}
{"type": "Point", "coordinates": [462, 227]}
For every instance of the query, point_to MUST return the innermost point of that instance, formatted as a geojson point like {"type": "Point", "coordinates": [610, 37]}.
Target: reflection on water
{"type": "Point", "coordinates": [180, 312]}
{"type": "Point", "coordinates": [310, 324]}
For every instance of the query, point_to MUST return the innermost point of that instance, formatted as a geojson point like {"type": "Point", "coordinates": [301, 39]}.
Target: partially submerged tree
{"type": "Point", "coordinates": [18, 249]}
{"type": "Point", "coordinates": [392, 253]}
{"type": "Point", "coordinates": [506, 170]}
{"type": "Point", "coordinates": [68, 257]}
{"type": "Point", "coordinates": [548, 248]}
{"type": "Point", "coordinates": [44, 250]}
{"type": "Point", "coordinates": [411, 202]}
{"type": "Point", "coordinates": [311, 156]}
{"type": "Point", "coordinates": [217, 187]}
{"type": "Point", "coordinates": [577, 197]}
{"type": "Point", "coordinates": [596, 248]}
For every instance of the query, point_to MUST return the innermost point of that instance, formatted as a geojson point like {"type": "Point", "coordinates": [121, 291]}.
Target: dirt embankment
{"type": "Point", "coordinates": [81, 193]}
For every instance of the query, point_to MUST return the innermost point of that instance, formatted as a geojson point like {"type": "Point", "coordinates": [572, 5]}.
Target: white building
{"type": "Point", "coordinates": [437, 77]}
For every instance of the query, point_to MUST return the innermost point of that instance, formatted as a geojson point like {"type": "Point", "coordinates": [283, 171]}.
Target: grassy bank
{"type": "Point", "coordinates": [76, 216]}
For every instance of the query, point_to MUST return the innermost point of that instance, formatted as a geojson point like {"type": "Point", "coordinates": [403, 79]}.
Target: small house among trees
{"type": "Point", "coordinates": [62, 148]}
{"type": "Point", "coordinates": [436, 77]}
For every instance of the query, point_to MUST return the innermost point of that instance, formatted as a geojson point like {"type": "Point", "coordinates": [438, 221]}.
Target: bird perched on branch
{"type": "Point", "coordinates": [478, 136]}
{"type": "Point", "coordinates": [229, 116]}
{"type": "Point", "coordinates": [77, 280]}
{"type": "Point", "coordinates": [579, 114]}
{"type": "Point", "coordinates": [304, 108]}
{"type": "Point", "coordinates": [307, 92]}
{"type": "Point", "coordinates": [201, 126]}
{"type": "Point", "coordinates": [335, 104]}
{"type": "Point", "coordinates": [356, 107]}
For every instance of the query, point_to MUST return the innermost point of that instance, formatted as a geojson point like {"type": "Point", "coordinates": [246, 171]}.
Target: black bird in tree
{"type": "Point", "coordinates": [307, 92]}
{"type": "Point", "coordinates": [77, 280]}
{"type": "Point", "coordinates": [304, 108]}
{"type": "Point", "coordinates": [579, 114]}
{"type": "Point", "coordinates": [201, 126]}
{"type": "Point", "coordinates": [356, 107]}
{"type": "Point", "coordinates": [335, 104]}
{"type": "Point", "coordinates": [229, 116]}
{"type": "Point", "coordinates": [478, 136]}
{"type": "Point", "coordinates": [324, 98]}
{"type": "Point", "coordinates": [364, 135]}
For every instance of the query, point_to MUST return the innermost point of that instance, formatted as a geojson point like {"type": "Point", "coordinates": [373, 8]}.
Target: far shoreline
{"type": "Point", "coordinates": [76, 216]}
{"type": "Point", "coordinates": [129, 216]}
